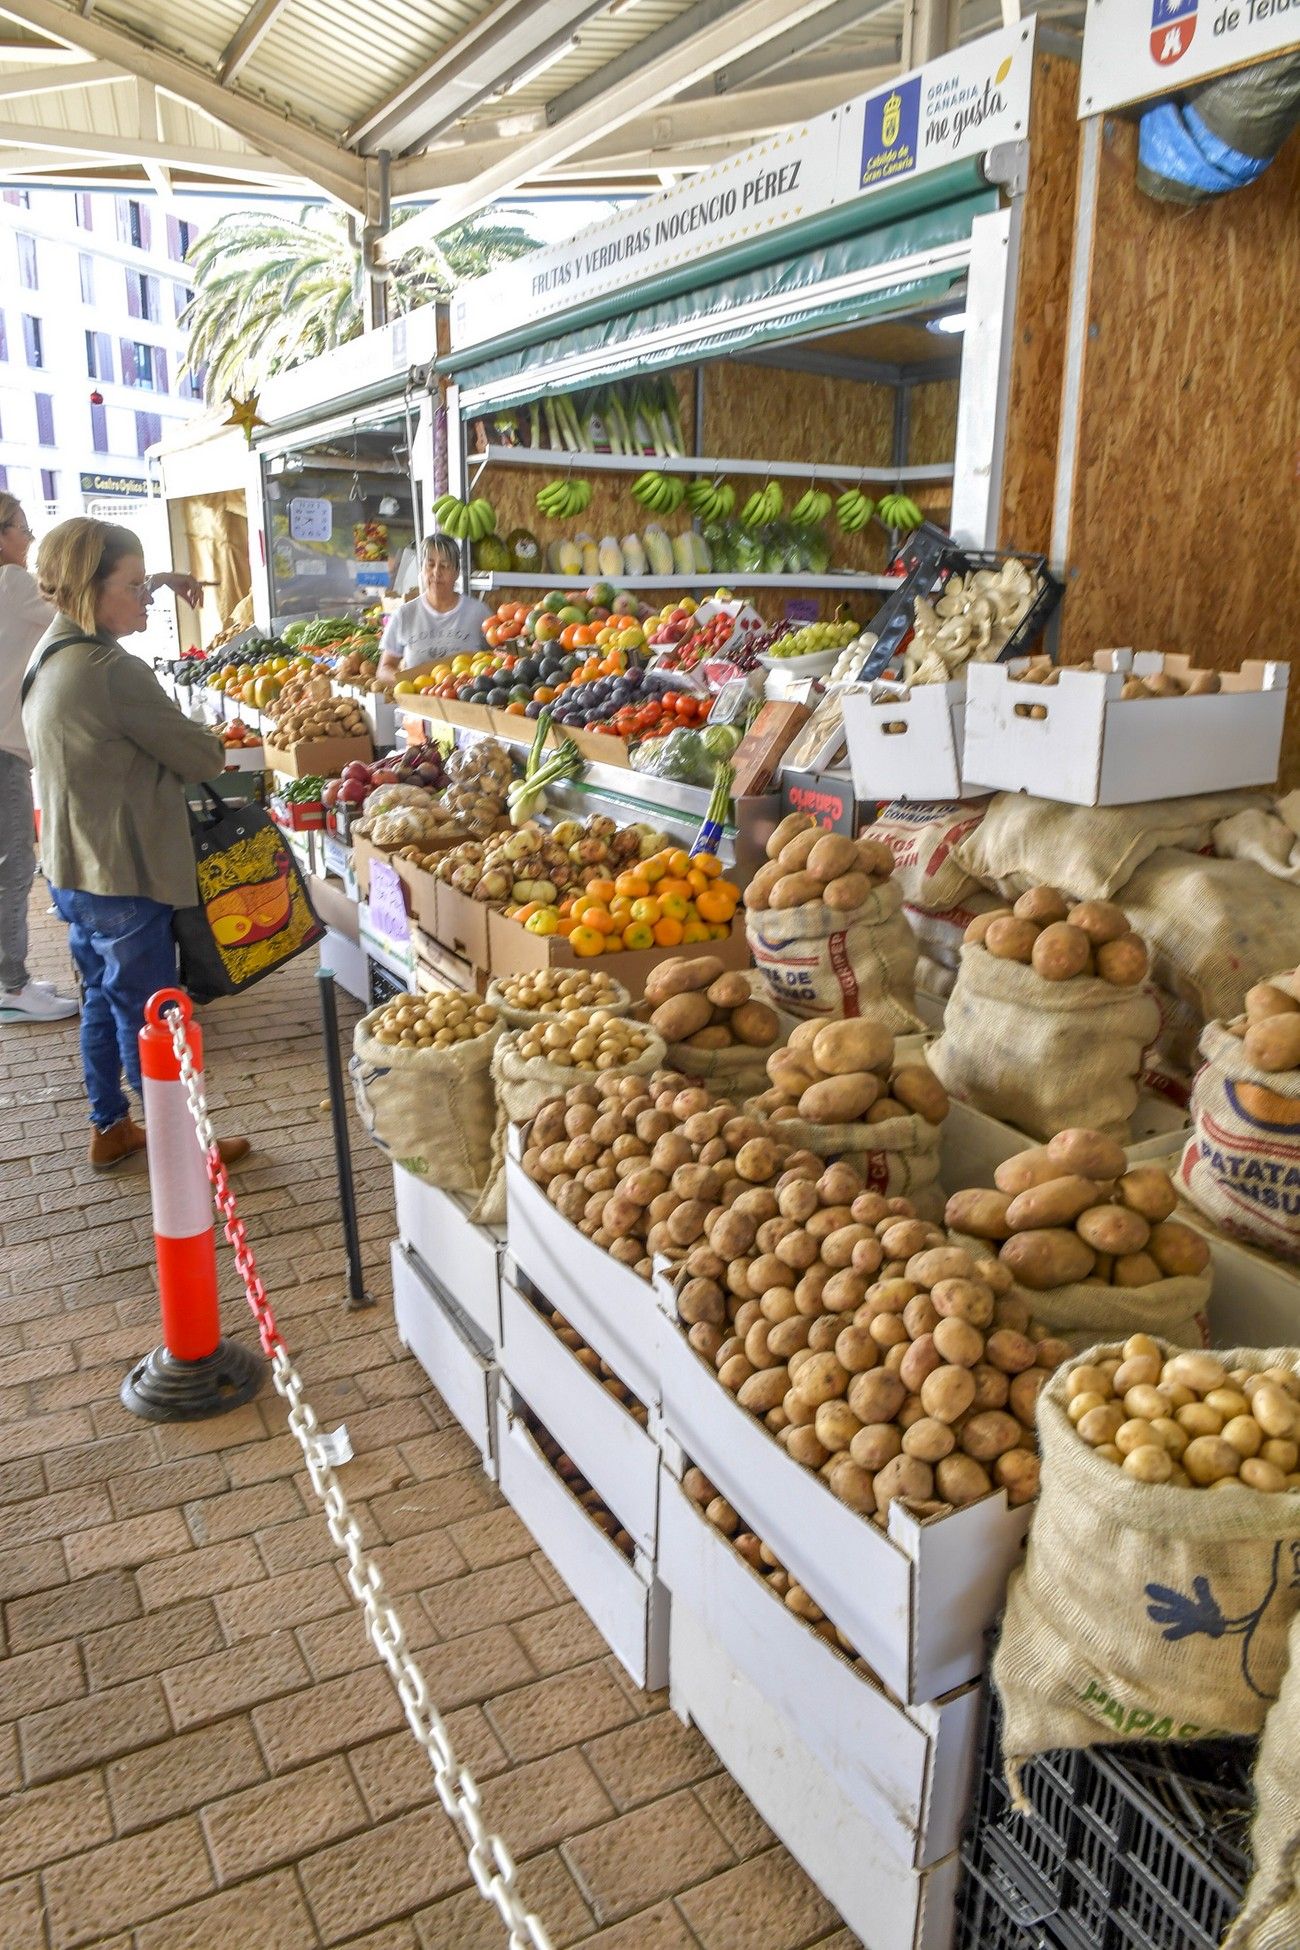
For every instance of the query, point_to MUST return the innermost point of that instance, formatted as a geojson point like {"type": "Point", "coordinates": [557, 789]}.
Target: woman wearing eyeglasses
{"type": "Point", "coordinates": [24, 617]}
{"type": "Point", "coordinates": [114, 755]}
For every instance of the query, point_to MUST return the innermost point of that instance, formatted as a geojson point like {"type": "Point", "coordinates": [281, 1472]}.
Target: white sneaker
{"type": "Point", "coordinates": [38, 1002]}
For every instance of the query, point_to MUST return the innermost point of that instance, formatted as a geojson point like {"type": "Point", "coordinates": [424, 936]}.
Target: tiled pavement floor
{"type": "Point", "coordinates": [198, 1748]}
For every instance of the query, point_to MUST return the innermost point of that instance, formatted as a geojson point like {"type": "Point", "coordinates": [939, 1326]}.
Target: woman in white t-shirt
{"type": "Point", "coordinates": [438, 622]}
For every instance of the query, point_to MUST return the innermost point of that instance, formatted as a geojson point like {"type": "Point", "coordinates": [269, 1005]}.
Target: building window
{"type": "Point", "coordinates": [21, 199]}
{"type": "Point", "coordinates": [133, 222]}
{"type": "Point", "coordinates": [99, 355]}
{"type": "Point", "coordinates": [86, 265]}
{"type": "Point", "coordinates": [85, 210]}
{"type": "Point", "coordinates": [32, 341]}
{"type": "Point", "coordinates": [45, 422]}
{"type": "Point", "coordinates": [180, 235]}
{"type": "Point", "coordinates": [182, 295]}
{"type": "Point", "coordinates": [148, 431]}
{"type": "Point", "coordinates": [4, 340]}
{"type": "Point", "coordinates": [99, 429]}
{"type": "Point", "coordinates": [49, 484]}
{"type": "Point", "coordinates": [142, 296]}
{"type": "Point", "coordinates": [28, 276]}
{"type": "Point", "coordinates": [144, 365]}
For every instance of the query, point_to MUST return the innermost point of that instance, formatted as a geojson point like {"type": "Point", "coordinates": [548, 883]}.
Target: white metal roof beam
{"type": "Point", "coordinates": [80, 143]}
{"type": "Point", "coordinates": [487, 57]}
{"type": "Point", "coordinates": [51, 81]}
{"type": "Point", "coordinates": [748, 26]}
{"type": "Point", "coordinates": [244, 42]}
{"type": "Point", "coordinates": [332, 170]}
{"type": "Point", "coordinates": [637, 59]}
{"type": "Point", "coordinates": [801, 40]}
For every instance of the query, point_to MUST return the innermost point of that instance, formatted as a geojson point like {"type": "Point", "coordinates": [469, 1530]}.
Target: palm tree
{"type": "Point", "coordinates": [271, 290]}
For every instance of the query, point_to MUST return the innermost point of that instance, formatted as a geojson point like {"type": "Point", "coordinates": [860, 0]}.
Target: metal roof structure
{"type": "Point", "coordinates": [457, 102]}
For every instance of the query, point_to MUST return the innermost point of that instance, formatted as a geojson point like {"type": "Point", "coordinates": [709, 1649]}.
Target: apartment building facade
{"type": "Point", "coordinates": [92, 289]}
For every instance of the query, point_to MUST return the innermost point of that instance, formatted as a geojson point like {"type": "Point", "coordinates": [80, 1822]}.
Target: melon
{"type": "Point", "coordinates": [525, 551]}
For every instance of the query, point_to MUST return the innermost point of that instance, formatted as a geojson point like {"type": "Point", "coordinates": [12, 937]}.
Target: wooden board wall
{"type": "Point", "coordinates": [1184, 531]}
{"type": "Point", "coordinates": [1042, 306]}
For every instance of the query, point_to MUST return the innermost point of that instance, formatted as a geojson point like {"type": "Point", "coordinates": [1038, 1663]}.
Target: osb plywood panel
{"type": "Point", "coordinates": [932, 422]}
{"type": "Point", "coordinates": [1042, 306]}
{"type": "Point", "coordinates": [1184, 530]}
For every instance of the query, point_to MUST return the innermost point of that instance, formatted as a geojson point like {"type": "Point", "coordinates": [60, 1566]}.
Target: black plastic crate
{"type": "Point", "coordinates": [383, 986]}
{"type": "Point", "coordinates": [928, 560]}
{"type": "Point", "coordinates": [1126, 1848]}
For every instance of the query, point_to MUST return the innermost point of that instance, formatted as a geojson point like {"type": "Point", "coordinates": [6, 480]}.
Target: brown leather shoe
{"type": "Point", "coordinates": [114, 1146]}
{"type": "Point", "coordinates": [233, 1149]}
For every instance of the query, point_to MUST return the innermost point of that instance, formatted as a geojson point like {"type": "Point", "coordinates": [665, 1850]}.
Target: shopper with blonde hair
{"type": "Point", "coordinates": [114, 755]}
{"type": "Point", "coordinates": [24, 616]}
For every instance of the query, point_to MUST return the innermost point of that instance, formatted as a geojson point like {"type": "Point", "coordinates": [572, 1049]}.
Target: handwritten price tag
{"type": "Point", "coordinates": [387, 907]}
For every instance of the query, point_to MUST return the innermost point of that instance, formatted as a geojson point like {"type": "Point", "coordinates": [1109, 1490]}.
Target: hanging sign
{"type": "Point", "coordinates": [955, 107]}
{"type": "Point", "coordinates": [387, 902]}
{"type": "Point", "coordinates": [1134, 50]}
{"type": "Point", "coordinates": [128, 486]}
{"type": "Point", "coordinates": [310, 520]}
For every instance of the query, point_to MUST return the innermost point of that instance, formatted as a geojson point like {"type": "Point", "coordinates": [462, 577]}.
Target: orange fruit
{"type": "Point", "coordinates": [724, 886]}
{"type": "Point", "coordinates": [638, 935]}
{"type": "Point", "coordinates": [621, 908]}
{"type": "Point", "coordinates": [695, 931]}
{"type": "Point", "coordinates": [566, 925]}
{"type": "Point", "coordinates": [674, 907]}
{"type": "Point", "coordinates": [586, 941]}
{"type": "Point", "coordinates": [708, 863]}
{"type": "Point", "coordinates": [698, 881]}
{"type": "Point", "coordinates": [646, 909]}
{"type": "Point", "coordinates": [679, 860]}
{"type": "Point", "coordinates": [675, 883]}
{"type": "Point", "coordinates": [720, 931]}
{"type": "Point", "coordinates": [714, 905]}
{"type": "Point", "coordinates": [632, 883]}
{"type": "Point", "coordinates": [654, 868]}
{"type": "Point", "coordinates": [668, 933]}
{"type": "Point", "coordinates": [601, 919]}
{"type": "Point", "coordinates": [601, 890]}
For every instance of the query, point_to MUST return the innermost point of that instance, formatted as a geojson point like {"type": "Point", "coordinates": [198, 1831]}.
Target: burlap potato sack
{"type": "Point", "coordinates": [1084, 1312]}
{"type": "Point", "coordinates": [1213, 927]}
{"type": "Point", "coordinates": [1143, 1611]}
{"type": "Point", "coordinates": [738, 1072]}
{"type": "Point", "coordinates": [521, 1086]}
{"type": "Point", "coordinates": [1269, 1918]}
{"type": "Point", "coordinates": [1042, 1056]}
{"type": "Point", "coordinates": [899, 1157]}
{"type": "Point", "coordinates": [431, 1110]}
{"type": "Point", "coordinates": [818, 961]}
{"type": "Point", "coordinates": [923, 839]}
{"type": "Point", "coordinates": [1241, 1168]}
{"type": "Point", "coordinates": [618, 1004]}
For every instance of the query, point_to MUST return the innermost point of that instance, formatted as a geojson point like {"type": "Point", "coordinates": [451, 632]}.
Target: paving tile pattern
{"type": "Point", "coordinates": [198, 1749]}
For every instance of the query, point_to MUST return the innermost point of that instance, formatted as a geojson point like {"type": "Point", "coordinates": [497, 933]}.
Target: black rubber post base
{"type": "Point", "coordinates": [163, 1389]}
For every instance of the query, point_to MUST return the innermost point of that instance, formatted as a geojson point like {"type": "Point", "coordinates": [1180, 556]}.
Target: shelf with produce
{"type": "Point", "coordinates": [492, 579]}
{"type": "Point", "coordinates": [791, 470]}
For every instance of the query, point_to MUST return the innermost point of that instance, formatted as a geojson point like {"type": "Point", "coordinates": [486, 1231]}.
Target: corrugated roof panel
{"type": "Point", "coordinates": [198, 31]}
{"type": "Point", "coordinates": [341, 64]}
{"type": "Point", "coordinates": [600, 41]}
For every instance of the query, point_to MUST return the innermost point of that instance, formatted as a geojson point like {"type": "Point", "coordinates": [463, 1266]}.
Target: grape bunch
{"type": "Point", "coordinates": [814, 640]}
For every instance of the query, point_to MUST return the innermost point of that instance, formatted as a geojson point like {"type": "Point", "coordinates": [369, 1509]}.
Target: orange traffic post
{"type": "Point", "coordinates": [194, 1372]}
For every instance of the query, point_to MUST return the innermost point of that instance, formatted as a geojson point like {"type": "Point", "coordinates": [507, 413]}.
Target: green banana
{"type": "Point", "coordinates": [899, 511]}
{"type": "Point", "coordinates": [711, 500]}
{"type": "Point", "coordinates": [562, 499]}
{"type": "Point", "coordinates": [763, 507]}
{"type": "Point", "coordinates": [811, 508]}
{"type": "Point", "coordinates": [662, 493]}
{"type": "Point", "coordinates": [853, 511]}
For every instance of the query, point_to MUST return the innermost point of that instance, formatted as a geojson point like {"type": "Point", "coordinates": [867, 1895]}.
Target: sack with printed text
{"type": "Point", "coordinates": [822, 961]}
{"type": "Point", "coordinates": [1143, 1611]}
{"type": "Point", "coordinates": [1241, 1164]}
{"type": "Point", "coordinates": [923, 839]}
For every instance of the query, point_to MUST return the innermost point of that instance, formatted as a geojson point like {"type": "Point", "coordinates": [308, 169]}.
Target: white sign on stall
{"type": "Point", "coordinates": [1136, 50]}
{"type": "Point", "coordinates": [951, 109]}
{"type": "Point", "coordinates": [310, 520]}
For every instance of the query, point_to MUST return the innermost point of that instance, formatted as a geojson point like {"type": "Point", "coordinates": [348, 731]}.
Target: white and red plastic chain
{"type": "Point", "coordinates": [490, 1861]}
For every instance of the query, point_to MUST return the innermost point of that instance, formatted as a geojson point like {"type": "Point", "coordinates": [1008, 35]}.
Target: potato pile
{"type": "Point", "coordinates": [555, 991]}
{"type": "Point", "coordinates": [569, 1473]}
{"type": "Point", "coordinates": [1059, 940]}
{"type": "Point", "coordinates": [433, 1021]}
{"type": "Point", "coordinates": [1160, 683]}
{"type": "Point", "coordinates": [591, 1361]}
{"type": "Point", "coordinates": [761, 1558]}
{"type": "Point", "coordinates": [892, 1363]}
{"type": "Point", "coordinates": [806, 863]}
{"type": "Point", "coordinates": [1270, 1028]}
{"type": "Point", "coordinates": [323, 717]}
{"type": "Point", "coordinates": [697, 1002]}
{"type": "Point", "coordinates": [584, 1039]}
{"type": "Point", "coordinates": [845, 1073]}
{"type": "Point", "coordinates": [1188, 1420]}
{"type": "Point", "coordinates": [639, 1163]}
{"type": "Point", "coordinates": [1072, 1211]}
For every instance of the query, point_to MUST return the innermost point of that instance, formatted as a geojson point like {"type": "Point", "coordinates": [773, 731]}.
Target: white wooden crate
{"type": "Point", "coordinates": [460, 1368]}
{"type": "Point", "coordinates": [907, 743]}
{"type": "Point", "coordinates": [464, 1257]}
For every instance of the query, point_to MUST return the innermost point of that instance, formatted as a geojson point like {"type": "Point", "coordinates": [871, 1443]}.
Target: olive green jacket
{"type": "Point", "coordinates": [112, 755]}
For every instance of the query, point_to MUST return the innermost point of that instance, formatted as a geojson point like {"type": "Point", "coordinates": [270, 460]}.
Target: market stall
{"type": "Point", "coordinates": [206, 473]}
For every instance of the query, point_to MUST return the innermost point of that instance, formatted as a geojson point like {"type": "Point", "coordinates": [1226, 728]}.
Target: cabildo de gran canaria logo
{"type": "Point", "coordinates": [889, 132]}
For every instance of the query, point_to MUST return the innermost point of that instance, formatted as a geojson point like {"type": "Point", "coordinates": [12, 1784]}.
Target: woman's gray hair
{"type": "Point", "coordinates": [441, 548]}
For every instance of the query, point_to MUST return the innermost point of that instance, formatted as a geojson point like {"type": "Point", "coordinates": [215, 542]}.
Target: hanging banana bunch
{"type": "Point", "coordinates": [899, 511]}
{"type": "Point", "coordinates": [763, 507]}
{"type": "Point", "coordinates": [663, 494]}
{"type": "Point", "coordinates": [711, 500]}
{"type": "Point", "coordinates": [853, 511]}
{"type": "Point", "coordinates": [811, 508]}
{"type": "Point", "coordinates": [563, 499]}
{"type": "Point", "coordinates": [464, 521]}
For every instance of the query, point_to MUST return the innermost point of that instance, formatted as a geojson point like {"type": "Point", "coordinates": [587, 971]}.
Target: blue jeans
{"type": "Point", "coordinates": [124, 950]}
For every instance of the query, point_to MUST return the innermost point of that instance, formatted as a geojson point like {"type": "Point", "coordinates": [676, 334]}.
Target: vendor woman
{"type": "Point", "coordinates": [440, 621]}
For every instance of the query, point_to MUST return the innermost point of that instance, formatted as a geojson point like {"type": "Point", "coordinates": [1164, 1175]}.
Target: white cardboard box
{"type": "Point", "coordinates": [889, 1905]}
{"type": "Point", "coordinates": [616, 1455]}
{"type": "Point", "coordinates": [611, 1307]}
{"type": "Point", "coordinates": [460, 1368]}
{"type": "Point", "coordinates": [972, 1144]}
{"type": "Point", "coordinates": [923, 759]}
{"type": "Point", "coordinates": [464, 1257]}
{"type": "Point", "coordinates": [907, 1769]}
{"type": "Point", "coordinates": [625, 1601]}
{"type": "Point", "coordinates": [915, 1599]}
{"type": "Point", "coordinates": [1255, 1299]}
{"type": "Point", "coordinates": [1094, 748]}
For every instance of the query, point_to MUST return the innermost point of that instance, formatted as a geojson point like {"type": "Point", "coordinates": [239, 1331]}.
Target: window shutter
{"type": "Point", "coordinates": [104, 352]}
{"type": "Point", "coordinates": [159, 369]}
{"type": "Point", "coordinates": [144, 227]}
{"type": "Point", "coordinates": [132, 295]}
{"type": "Point", "coordinates": [128, 362]}
{"type": "Point", "coordinates": [123, 208]}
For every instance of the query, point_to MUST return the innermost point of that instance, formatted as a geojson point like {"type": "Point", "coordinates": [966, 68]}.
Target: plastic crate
{"type": "Point", "coordinates": [1126, 1848]}
{"type": "Point", "coordinates": [383, 986]}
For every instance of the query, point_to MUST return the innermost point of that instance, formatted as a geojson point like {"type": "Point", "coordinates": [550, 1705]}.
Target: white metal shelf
{"type": "Point", "coordinates": [794, 470]}
{"type": "Point", "coordinates": [716, 579]}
